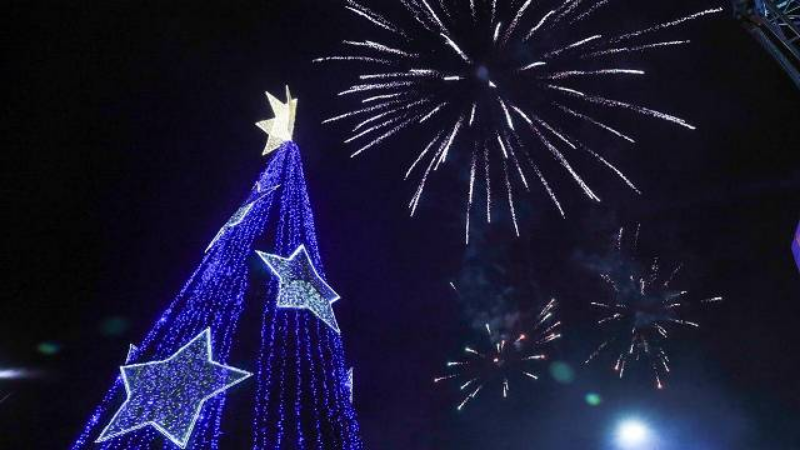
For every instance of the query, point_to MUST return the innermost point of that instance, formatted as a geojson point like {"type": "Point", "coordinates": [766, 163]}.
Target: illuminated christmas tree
{"type": "Point", "coordinates": [172, 390]}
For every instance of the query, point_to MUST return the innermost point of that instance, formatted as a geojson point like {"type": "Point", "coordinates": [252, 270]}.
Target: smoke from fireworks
{"type": "Point", "coordinates": [497, 84]}
{"type": "Point", "coordinates": [503, 359]}
{"type": "Point", "coordinates": [643, 314]}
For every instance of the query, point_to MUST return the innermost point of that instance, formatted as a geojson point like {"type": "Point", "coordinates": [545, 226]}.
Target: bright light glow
{"type": "Point", "coordinates": [16, 374]}
{"type": "Point", "coordinates": [633, 434]}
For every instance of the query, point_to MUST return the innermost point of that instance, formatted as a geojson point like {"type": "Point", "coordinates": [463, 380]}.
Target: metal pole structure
{"type": "Point", "coordinates": [776, 26]}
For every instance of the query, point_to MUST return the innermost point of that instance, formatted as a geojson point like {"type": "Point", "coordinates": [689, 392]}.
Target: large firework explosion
{"type": "Point", "coordinates": [498, 86]}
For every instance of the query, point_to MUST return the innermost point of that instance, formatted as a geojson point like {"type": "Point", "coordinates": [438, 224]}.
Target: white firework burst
{"type": "Point", "coordinates": [498, 85]}
{"type": "Point", "coordinates": [643, 314]}
{"type": "Point", "coordinates": [503, 360]}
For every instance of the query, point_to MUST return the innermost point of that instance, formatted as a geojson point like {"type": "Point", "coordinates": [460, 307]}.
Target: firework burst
{"type": "Point", "coordinates": [643, 314]}
{"type": "Point", "coordinates": [503, 359]}
{"type": "Point", "coordinates": [499, 85]}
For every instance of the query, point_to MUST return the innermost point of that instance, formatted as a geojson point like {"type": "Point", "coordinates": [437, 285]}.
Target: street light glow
{"type": "Point", "coordinates": [633, 434]}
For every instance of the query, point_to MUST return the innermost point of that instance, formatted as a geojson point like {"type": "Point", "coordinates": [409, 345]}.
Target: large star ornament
{"type": "Point", "coordinates": [281, 128]}
{"type": "Point", "coordinates": [170, 394]}
{"type": "Point", "coordinates": [301, 287]}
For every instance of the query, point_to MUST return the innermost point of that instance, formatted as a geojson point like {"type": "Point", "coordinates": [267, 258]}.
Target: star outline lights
{"type": "Point", "coordinates": [180, 441]}
{"type": "Point", "coordinates": [279, 129]}
{"type": "Point", "coordinates": [300, 260]}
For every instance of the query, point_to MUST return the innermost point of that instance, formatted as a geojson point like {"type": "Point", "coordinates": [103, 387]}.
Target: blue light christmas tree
{"type": "Point", "coordinates": [173, 388]}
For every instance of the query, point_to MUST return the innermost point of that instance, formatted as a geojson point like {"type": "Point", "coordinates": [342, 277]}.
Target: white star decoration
{"type": "Point", "coordinates": [301, 287]}
{"type": "Point", "coordinates": [281, 128]}
{"type": "Point", "coordinates": [169, 394]}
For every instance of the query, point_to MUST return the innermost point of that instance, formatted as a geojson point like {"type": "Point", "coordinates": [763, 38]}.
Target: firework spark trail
{"type": "Point", "coordinates": [637, 48]}
{"type": "Point", "coordinates": [471, 195]}
{"type": "Point", "coordinates": [433, 112]}
{"type": "Point", "coordinates": [390, 112]}
{"type": "Point", "coordinates": [383, 97]}
{"type": "Point", "coordinates": [532, 66]}
{"type": "Point", "coordinates": [590, 11]}
{"type": "Point", "coordinates": [383, 137]}
{"type": "Point", "coordinates": [595, 122]}
{"type": "Point", "coordinates": [565, 163]}
{"type": "Point", "coordinates": [549, 190]}
{"type": "Point", "coordinates": [540, 24]}
{"type": "Point", "coordinates": [368, 109]}
{"type": "Point", "coordinates": [618, 104]}
{"type": "Point", "coordinates": [376, 87]}
{"type": "Point", "coordinates": [575, 73]}
{"type": "Point", "coordinates": [665, 25]}
{"type": "Point", "coordinates": [381, 125]}
{"type": "Point", "coordinates": [567, 8]}
{"type": "Point", "coordinates": [457, 49]}
{"type": "Point", "coordinates": [444, 52]}
{"type": "Point", "coordinates": [510, 192]}
{"type": "Point", "coordinates": [356, 58]}
{"type": "Point", "coordinates": [613, 168]}
{"type": "Point", "coordinates": [580, 43]}
{"type": "Point", "coordinates": [503, 360]}
{"type": "Point", "coordinates": [435, 17]}
{"type": "Point", "coordinates": [488, 182]}
{"type": "Point", "coordinates": [390, 75]}
{"type": "Point", "coordinates": [514, 23]}
{"type": "Point", "coordinates": [450, 140]}
{"type": "Point", "coordinates": [518, 166]}
{"type": "Point", "coordinates": [373, 17]}
{"type": "Point", "coordinates": [638, 319]}
{"type": "Point", "coordinates": [377, 46]}
{"type": "Point", "coordinates": [423, 153]}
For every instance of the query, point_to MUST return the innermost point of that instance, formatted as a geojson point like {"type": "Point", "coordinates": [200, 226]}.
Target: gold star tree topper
{"type": "Point", "coordinates": [281, 128]}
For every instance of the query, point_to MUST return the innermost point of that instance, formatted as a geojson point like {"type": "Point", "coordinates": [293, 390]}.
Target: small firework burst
{"type": "Point", "coordinates": [503, 88]}
{"type": "Point", "coordinates": [503, 360]}
{"type": "Point", "coordinates": [643, 313]}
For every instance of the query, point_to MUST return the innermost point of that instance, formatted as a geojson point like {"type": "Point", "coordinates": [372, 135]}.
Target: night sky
{"type": "Point", "coordinates": [129, 140]}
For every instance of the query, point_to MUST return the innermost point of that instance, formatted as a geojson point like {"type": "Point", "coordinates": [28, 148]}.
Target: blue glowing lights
{"type": "Point", "coordinates": [349, 383]}
{"type": "Point", "coordinates": [300, 399]}
{"type": "Point", "coordinates": [796, 246]}
{"type": "Point", "coordinates": [240, 214]}
{"type": "Point", "coordinates": [301, 287]}
{"type": "Point", "coordinates": [169, 394]}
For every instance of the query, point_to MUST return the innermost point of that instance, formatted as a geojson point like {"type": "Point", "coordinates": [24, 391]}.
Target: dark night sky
{"type": "Point", "coordinates": [129, 139]}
